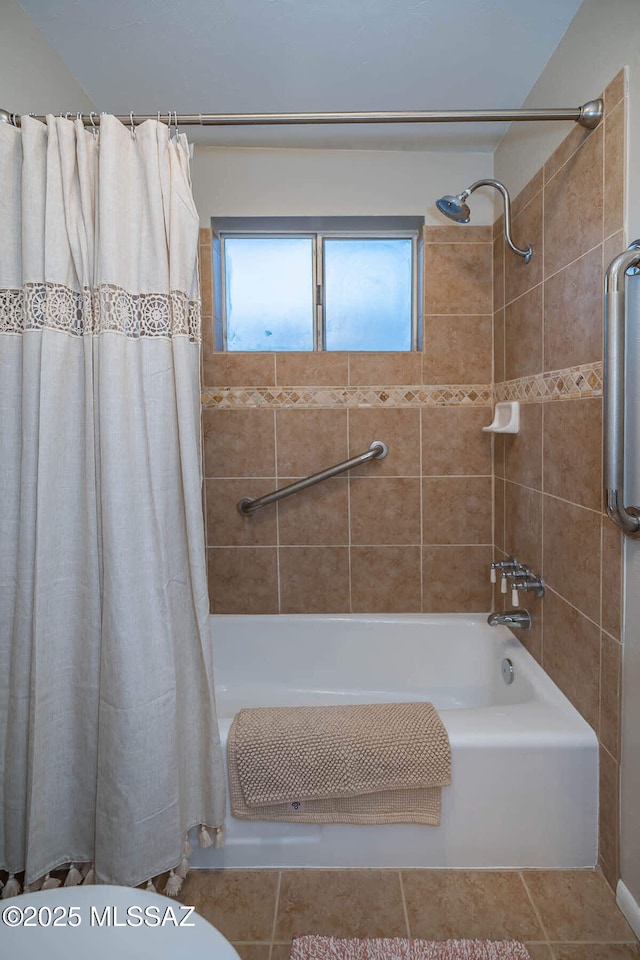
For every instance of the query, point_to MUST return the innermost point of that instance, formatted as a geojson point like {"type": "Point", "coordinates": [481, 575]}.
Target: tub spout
{"type": "Point", "coordinates": [517, 619]}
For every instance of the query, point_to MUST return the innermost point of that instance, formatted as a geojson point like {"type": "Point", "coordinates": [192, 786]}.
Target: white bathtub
{"type": "Point", "coordinates": [524, 762]}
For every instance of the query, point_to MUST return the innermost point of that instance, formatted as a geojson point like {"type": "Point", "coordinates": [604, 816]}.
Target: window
{"type": "Point", "coordinates": [316, 289]}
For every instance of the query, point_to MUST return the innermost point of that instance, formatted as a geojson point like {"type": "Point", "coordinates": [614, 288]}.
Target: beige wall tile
{"type": "Point", "coordinates": [310, 440]}
{"type": "Point", "coordinates": [240, 370]}
{"type": "Point", "coordinates": [523, 525]}
{"type": "Point", "coordinates": [610, 694]}
{"type": "Point", "coordinates": [572, 224]}
{"type": "Point", "coordinates": [571, 561]}
{"type": "Point", "coordinates": [226, 527]}
{"type": "Point", "coordinates": [456, 349]}
{"type": "Point", "coordinates": [612, 247]}
{"type": "Point", "coordinates": [609, 812]}
{"type": "Point", "coordinates": [498, 347]}
{"type": "Point", "coordinates": [573, 314]}
{"type": "Point", "coordinates": [385, 510]}
{"type": "Point", "coordinates": [316, 516]}
{"type": "Point", "coordinates": [614, 91]}
{"type": "Point", "coordinates": [573, 450]}
{"type": "Point", "coordinates": [612, 544]}
{"type": "Point", "coordinates": [453, 443]}
{"type": "Point", "coordinates": [499, 495]}
{"type": "Point", "coordinates": [385, 580]}
{"type": "Point", "coordinates": [314, 369]}
{"type": "Point", "coordinates": [238, 443]}
{"type": "Point", "coordinates": [208, 347]}
{"type": "Point", "coordinates": [523, 335]}
{"type": "Point", "coordinates": [527, 193]}
{"type": "Point", "coordinates": [243, 579]}
{"type": "Point", "coordinates": [457, 510]}
{"type": "Point", "coordinates": [314, 580]}
{"type": "Point", "coordinates": [456, 579]}
{"type": "Point", "coordinates": [206, 279]}
{"type": "Point", "coordinates": [614, 170]}
{"type": "Point", "coordinates": [498, 273]}
{"type": "Point", "coordinates": [499, 455]}
{"type": "Point", "coordinates": [574, 139]}
{"type": "Point", "coordinates": [523, 451]}
{"type": "Point", "coordinates": [399, 429]}
{"type": "Point", "coordinates": [571, 655]}
{"type": "Point", "coordinates": [457, 233]}
{"type": "Point", "coordinates": [458, 278]}
{"type": "Point", "coordinates": [520, 276]}
{"type": "Point", "coordinates": [385, 369]}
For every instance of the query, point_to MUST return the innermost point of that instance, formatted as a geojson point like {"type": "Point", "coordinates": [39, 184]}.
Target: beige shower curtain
{"type": "Point", "coordinates": [109, 749]}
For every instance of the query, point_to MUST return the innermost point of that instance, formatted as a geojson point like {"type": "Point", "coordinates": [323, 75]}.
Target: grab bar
{"type": "Point", "coordinates": [377, 451]}
{"type": "Point", "coordinates": [627, 518]}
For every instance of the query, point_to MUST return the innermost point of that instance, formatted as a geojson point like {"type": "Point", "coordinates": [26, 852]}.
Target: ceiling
{"type": "Point", "coordinates": [254, 56]}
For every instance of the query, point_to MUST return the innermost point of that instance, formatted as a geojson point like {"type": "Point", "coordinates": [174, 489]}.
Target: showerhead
{"type": "Point", "coordinates": [457, 210]}
{"type": "Point", "coordinates": [454, 207]}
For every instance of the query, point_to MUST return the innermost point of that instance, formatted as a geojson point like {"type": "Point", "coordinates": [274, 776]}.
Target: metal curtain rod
{"type": "Point", "coordinates": [247, 506]}
{"type": "Point", "coordinates": [588, 115]}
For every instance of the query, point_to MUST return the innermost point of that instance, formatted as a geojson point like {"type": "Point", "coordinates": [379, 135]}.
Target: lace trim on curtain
{"type": "Point", "coordinates": [108, 308]}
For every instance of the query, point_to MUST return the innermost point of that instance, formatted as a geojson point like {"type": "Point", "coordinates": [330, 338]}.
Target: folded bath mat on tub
{"type": "Point", "coordinates": [364, 763]}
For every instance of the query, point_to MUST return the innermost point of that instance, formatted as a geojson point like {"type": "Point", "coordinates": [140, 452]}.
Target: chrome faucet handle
{"type": "Point", "coordinates": [528, 582]}
{"type": "Point", "coordinates": [509, 564]}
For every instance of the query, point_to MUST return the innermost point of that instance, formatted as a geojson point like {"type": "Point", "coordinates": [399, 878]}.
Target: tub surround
{"type": "Point", "coordinates": [548, 479]}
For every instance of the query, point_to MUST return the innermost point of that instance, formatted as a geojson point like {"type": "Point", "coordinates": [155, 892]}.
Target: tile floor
{"type": "Point", "coordinates": [560, 915]}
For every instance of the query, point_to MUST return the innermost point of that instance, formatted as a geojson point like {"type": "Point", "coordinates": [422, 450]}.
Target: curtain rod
{"type": "Point", "coordinates": [588, 115]}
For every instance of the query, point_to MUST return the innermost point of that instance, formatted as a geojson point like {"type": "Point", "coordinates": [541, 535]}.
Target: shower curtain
{"type": "Point", "coordinates": [109, 749]}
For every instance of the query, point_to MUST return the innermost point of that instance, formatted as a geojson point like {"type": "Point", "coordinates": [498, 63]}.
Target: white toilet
{"type": "Point", "coordinates": [103, 923]}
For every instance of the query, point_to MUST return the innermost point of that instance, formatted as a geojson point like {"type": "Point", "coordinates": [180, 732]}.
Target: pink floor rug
{"type": "Point", "coordinates": [397, 948]}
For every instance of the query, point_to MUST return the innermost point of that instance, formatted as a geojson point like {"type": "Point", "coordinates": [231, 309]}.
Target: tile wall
{"type": "Point", "coordinates": [409, 533]}
{"type": "Point", "coordinates": [548, 335]}
{"type": "Point", "coordinates": [417, 530]}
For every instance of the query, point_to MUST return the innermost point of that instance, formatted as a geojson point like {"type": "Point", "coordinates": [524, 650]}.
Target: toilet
{"type": "Point", "coordinates": [106, 922]}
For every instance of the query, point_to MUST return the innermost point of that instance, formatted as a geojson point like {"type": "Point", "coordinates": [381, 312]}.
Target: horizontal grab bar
{"type": "Point", "coordinates": [377, 451]}
{"type": "Point", "coordinates": [626, 517]}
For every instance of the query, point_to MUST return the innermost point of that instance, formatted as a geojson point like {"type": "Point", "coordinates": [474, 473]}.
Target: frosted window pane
{"type": "Point", "coordinates": [269, 293]}
{"type": "Point", "coordinates": [368, 294]}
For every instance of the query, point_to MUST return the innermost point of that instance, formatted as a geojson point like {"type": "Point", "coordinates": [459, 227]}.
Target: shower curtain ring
{"type": "Point", "coordinates": [133, 126]}
{"type": "Point", "coordinates": [94, 129]}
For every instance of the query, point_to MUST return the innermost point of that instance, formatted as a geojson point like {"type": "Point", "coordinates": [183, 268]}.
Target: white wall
{"type": "Point", "coordinates": [253, 182]}
{"type": "Point", "coordinates": [603, 37]}
{"type": "Point", "coordinates": [33, 78]}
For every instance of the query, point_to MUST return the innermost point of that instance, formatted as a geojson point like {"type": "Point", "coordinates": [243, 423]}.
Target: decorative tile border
{"type": "Point", "coordinates": [582, 381]}
{"type": "Point", "coordinates": [479, 395]}
{"type": "Point", "coordinates": [573, 382]}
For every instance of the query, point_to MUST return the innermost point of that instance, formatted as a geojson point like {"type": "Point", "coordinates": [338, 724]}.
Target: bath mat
{"type": "Point", "coordinates": [398, 948]}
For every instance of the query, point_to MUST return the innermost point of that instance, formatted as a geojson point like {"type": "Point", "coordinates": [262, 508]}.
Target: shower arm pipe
{"type": "Point", "coordinates": [588, 115]}
{"type": "Point", "coordinates": [500, 187]}
{"type": "Point", "coordinates": [377, 451]}
{"type": "Point", "coordinates": [625, 517]}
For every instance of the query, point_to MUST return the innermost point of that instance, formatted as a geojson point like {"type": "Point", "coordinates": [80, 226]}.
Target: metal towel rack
{"type": "Point", "coordinates": [377, 451]}
{"type": "Point", "coordinates": [627, 518]}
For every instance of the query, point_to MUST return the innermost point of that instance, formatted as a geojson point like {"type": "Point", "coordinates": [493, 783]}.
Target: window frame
{"type": "Point", "coordinates": [317, 238]}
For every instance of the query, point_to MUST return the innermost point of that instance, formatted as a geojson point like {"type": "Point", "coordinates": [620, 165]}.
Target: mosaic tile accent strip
{"type": "Point", "coordinates": [478, 395]}
{"type": "Point", "coordinates": [574, 382]}
{"type": "Point", "coordinates": [582, 381]}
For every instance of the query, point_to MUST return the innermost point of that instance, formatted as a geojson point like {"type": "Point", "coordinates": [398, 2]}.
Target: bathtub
{"type": "Point", "coordinates": [524, 762]}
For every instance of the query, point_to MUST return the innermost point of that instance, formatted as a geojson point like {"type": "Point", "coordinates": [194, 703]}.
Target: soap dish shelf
{"type": "Point", "coordinates": [506, 418]}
